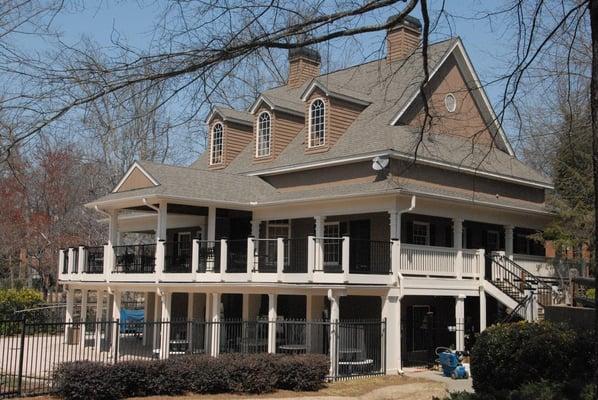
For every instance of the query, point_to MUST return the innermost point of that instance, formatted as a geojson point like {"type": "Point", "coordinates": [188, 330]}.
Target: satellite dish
{"type": "Point", "coordinates": [379, 163]}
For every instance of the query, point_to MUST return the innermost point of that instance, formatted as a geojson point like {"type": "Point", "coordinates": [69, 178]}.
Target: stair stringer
{"type": "Point", "coordinates": [501, 296]}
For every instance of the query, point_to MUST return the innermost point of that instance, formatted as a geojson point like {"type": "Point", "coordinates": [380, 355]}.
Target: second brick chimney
{"type": "Point", "coordinates": [403, 38]}
{"type": "Point", "coordinates": [304, 65]}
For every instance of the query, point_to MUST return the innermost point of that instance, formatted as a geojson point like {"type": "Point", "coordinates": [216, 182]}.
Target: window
{"type": "Point", "coordinates": [262, 144]}
{"type": "Point", "coordinates": [217, 144]}
{"type": "Point", "coordinates": [317, 128]}
{"type": "Point", "coordinates": [421, 233]}
{"type": "Point", "coordinates": [450, 102]}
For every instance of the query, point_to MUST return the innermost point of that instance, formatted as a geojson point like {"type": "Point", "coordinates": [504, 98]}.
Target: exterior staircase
{"type": "Point", "coordinates": [518, 289]}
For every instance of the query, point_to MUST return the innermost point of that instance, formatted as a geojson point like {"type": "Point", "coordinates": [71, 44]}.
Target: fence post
{"type": "Point", "coordinates": [194, 259]}
{"type": "Point", "coordinates": [311, 253]}
{"type": "Point", "coordinates": [384, 346]}
{"type": "Point", "coordinates": [116, 339]}
{"type": "Point", "coordinates": [21, 357]}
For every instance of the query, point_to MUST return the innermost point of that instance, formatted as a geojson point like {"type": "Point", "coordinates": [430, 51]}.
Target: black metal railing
{"type": "Point", "coordinates": [265, 255]}
{"type": "Point", "coordinates": [95, 260]}
{"type": "Point", "coordinates": [236, 256]}
{"type": "Point", "coordinates": [237, 336]}
{"type": "Point", "coordinates": [369, 257]}
{"type": "Point", "coordinates": [330, 258]}
{"type": "Point", "coordinates": [139, 258]}
{"type": "Point", "coordinates": [177, 258]}
{"type": "Point", "coordinates": [209, 256]}
{"type": "Point", "coordinates": [295, 261]}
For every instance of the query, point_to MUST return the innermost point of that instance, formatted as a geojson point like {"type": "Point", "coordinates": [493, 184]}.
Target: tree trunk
{"type": "Point", "coordinates": [594, 107]}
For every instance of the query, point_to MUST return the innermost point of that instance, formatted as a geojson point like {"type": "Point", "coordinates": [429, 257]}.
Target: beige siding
{"type": "Point", "coordinates": [285, 128]}
{"type": "Point", "coordinates": [135, 180]}
{"type": "Point", "coordinates": [465, 121]}
{"type": "Point", "coordinates": [235, 138]}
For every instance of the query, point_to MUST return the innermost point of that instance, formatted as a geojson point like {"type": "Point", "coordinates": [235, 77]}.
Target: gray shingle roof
{"type": "Point", "coordinates": [233, 115]}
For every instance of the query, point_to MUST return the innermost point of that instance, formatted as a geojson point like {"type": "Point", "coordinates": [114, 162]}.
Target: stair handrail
{"type": "Point", "coordinates": [541, 287]}
{"type": "Point", "coordinates": [511, 276]}
{"type": "Point", "coordinates": [522, 304]}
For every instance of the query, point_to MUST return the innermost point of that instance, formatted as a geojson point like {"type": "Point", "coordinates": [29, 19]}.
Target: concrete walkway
{"type": "Point", "coordinates": [452, 385]}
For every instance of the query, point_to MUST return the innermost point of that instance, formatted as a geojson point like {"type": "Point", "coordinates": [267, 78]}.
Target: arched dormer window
{"type": "Point", "coordinates": [317, 127]}
{"type": "Point", "coordinates": [264, 135]}
{"type": "Point", "coordinates": [217, 144]}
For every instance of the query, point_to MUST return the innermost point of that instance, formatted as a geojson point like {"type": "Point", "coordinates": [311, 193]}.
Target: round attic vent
{"type": "Point", "coordinates": [450, 102]}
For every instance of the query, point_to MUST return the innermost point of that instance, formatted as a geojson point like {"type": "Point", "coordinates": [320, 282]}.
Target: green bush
{"type": "Point", "coordinates": [229, 373]}
{"type": "Point", "coordinates": [12, 300]}
{"type": "Point", "coordinates": [508, 357]}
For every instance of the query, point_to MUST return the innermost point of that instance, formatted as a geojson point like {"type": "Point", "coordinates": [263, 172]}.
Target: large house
{"type": "Point", "coordinates": [348, 195]}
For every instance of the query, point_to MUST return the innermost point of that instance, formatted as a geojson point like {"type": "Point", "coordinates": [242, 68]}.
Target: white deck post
{"type": "Point", "coordinates": [509, 241]}
{"type": "Point", "coordinates": [211, 224]}
{"type": "Point", "coordinates": [279, 258]}
{"type": "Point", "coordinates": [61, 261]}
{"type": "Point", "coordinates": [460, 322]}
{"type": "Point", "coordinates": [99, 319]}
{"type": "Point", "coordinates": [482, 308]}
{"type": "Point", "coordinates": [84, 293]}
{"type": "Point", "coordinates": [391, 312]}
{"type": "Point", "coordinates": [255, 228]}
{"type": "Point", "coordinates": [251, 256]}
{"type": "Point", "coordinates": [70, 305]}
{"type": "Point", "coordinates": [272, 305]}
{"type": "Point", "coordinates": [209, 326]}
{"type": "Point", "coordinates": [215, 337]}
{"type": "Point", "coordinates": [346, 255]}
{"type": "Point", "coordinates": [458, 244]}
{"type": "Point", "coordinates": [194, 258]}
{"type": "Point", "coordinates": [311, 254]}
{"type": "Point", "coordinates": [319, 243]}
{"type": "Point", "coordinates": [190, 313]}
{"type": "Point", "coordinates": [116, 303]}
{"type": "Point", "coordinates": [82, 262]}
{"type": "Point", "coordinates": [334, 318]}
{"type": "Point", "coordinates": [309, 317]}
{"type": "Point", "coordinates": [156, 324]}
{"type": "Point", "coordinates": [165, 303]}
{"type": "Point", "coordinates": [223, 256]}
{"type": "Point", "coordinates": [71, 261]}
{"type": "Point", "coordinates": [146, 311]}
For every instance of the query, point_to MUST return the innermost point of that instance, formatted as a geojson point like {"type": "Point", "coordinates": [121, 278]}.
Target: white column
{"type": "Point", "coordinates": [509, 241]}
{"type": "Point", "coordinates": [458, 244]}
{"type": "Point", "coordinates": [99, 319]}
{"type": "Point", "coordinates": [460, 322]}
{"type": "Point", "coordinates": [391, 312]}
{"type": "Point", "coordinates": [70, 305]}
{"type": "Point", "coordinates": [156, 325]}
{"type": "Point", "coordinates": [165, 303]}
{"type": "Point", "coordinates": [211, 224]}
{"type": "Point", "coordinates": [394, 226]}
{"type": "Point", "coordinates": [71, 261]}
{"type": "Point", "coordinates": [346, 255]}
{"type": "Point", "coordinates": [245, 307]}
{"type": "Point", "coordinates": [223, 256]}
{"type": "Point", "coordinates": [255, 228]}
{"type": "Point", "coordinates": [334, 317]}
{"type": "Point", "coordinates": [83, 314]}
{"type": "Point", "coordinates": [482, 309]}
{"type": "Point", "coordinates": [162, 220]}
{"type": "Point", "coordinates": [319, 244]}
{"type": "Point", "coordinates": [208, 324]}
{"type": "Point", "coordinates": [81, 264]}
{"type": "Point", "coordinates": [279, 258]}
{"type": "Point", "coordinates": [272, 304]}
{"type": "Point", "coordinates": [215, 337]}
{"type": "Point", "coordinates": [116, 302]}
{"type": "Point", "coordinates": [308, 317]}
{"type": "Point", "coordinates": [113, 228]}
{"type": "Point", "coordinates": [190, 326]}
{"type": "Point", "coordinates": [146, 310]}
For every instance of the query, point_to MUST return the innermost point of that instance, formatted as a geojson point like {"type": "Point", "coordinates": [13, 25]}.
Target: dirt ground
{"type": "Point", "coordinates": [387, 387]}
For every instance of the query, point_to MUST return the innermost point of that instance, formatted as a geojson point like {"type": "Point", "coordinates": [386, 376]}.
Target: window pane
{"type": "Point", "coordinates": [217, 144]}
{"type": "Point", "coordinates": [263, 135]}
{"type": "Point", "coordinates": [317, 128]}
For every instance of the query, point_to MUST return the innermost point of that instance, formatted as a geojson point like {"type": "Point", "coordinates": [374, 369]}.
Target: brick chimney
{"type": "Point", "coordinates": [304, 65]}
{"type": "Point", "coordinates": [403, 38]}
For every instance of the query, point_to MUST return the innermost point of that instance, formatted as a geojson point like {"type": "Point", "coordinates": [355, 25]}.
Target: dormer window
{"type": "Point", "coordinates": [217, 147]}
{"type": "Point", "coordinates": [317, 128]}
{"type": "Point", "coordinates": [264, 135]}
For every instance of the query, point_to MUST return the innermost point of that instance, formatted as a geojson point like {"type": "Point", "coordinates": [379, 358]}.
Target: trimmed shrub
{"type": "Point", "coordinates": [229, 373]}
{"type": "Point", "coordinates": [301, 373]}
{"type": "Point", "coordinates": [507, 356]}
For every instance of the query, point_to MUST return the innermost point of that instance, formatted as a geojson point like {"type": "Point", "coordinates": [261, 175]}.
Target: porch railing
{"type": "Point", "coordinates": [295, 261]}
{"type": "Point", "coordinates": [236, 256]}
{"type": "Point", "coordinates": [265, 256]}
{"type": "Point", "coordinates": [140, 258]}
{"type": "Point", "coordinates": [177, 258]}
{"type": "Point", "coordinates": [208, 254]}
{"type": "Point", "coordinates": [427, 260]}
{"type": "Point", "coordinates": [94, 260]}
{"type": "Point", "coordinates": [328, 254]}
{"type": "Point", "coordinates": [369, 256]}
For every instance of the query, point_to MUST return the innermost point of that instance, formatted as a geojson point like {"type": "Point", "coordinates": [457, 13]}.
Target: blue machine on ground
{"type": "Point", "coordinates": [450, 361]}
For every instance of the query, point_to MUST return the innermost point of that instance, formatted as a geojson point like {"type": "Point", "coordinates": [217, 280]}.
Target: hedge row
{"type": "Point", "coordinates": [229, 373]}
{"type": "Point", "coordinates": [508, 358]}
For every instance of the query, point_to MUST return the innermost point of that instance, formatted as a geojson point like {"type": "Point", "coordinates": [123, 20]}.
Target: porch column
{"type": "Point", "coordinates": [208, 317]}
{"type": "Point", "coordinates": [211, 223]}
{"type": "Point", "coordinates": [458, 244]}
{"type": "Point", "coordinates": [255, 228]}
{"type": "Point", "coordinates": [116, 303]}
{"type": "Point", "coordinates": [113, 240]}
{"type": "Point", "coordinates": [84, 293]}
{"type": "Point", "coordinates": [99, 319]}
{"type": "Point", "coordinates": [394, 224]}
{"type": "Point", "coordinates": [215, 339]}
{"type": "Point", "coordinates": [272, 304]}
{"type": "Point", "coordinates": [162, 221]}
{"type": "Point", "coordinates": [482, 309]}
{"type": "Point", "coordinates": [319, 245]}
{"type": "Point", "coordinates": [148, 316]}
{"type": "Point", "coordinates": [460, 322]}
{"type": "Point", "coordinates": [334, 317]}
{"type": "Point", "coordinates": [165, 303]}
{"type": "Point", "coordinates": [156, 325]}
{"type": "Point", "coordinates": [70, 305]}
{"type": "Point", "coordinates": [391, 312]}
{"type": "Point", "coordinates": [190, 318]}
{"type": "Point", "coordinates": [509, 241]}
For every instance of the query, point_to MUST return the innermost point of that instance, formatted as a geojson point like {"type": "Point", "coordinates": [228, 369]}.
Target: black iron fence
{"type": "Point", "coordinates": [95, 260]}
{"type": "Point", "coordinates": [140, 258]}
{"type": "Point", "coordinates": [30, 351]}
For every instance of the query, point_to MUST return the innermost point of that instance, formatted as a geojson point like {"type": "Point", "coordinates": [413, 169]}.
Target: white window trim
{"type": "Point", "coordinates": [277, 225]}
{"type": "Point", "coordinates": [212, 144]}
{"type": "Point", "coordinates": [257, 136]}
{"type": "Point", "coordinates": [309, 132]}
{"type": "Point", "coordinates": [420, 223]}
